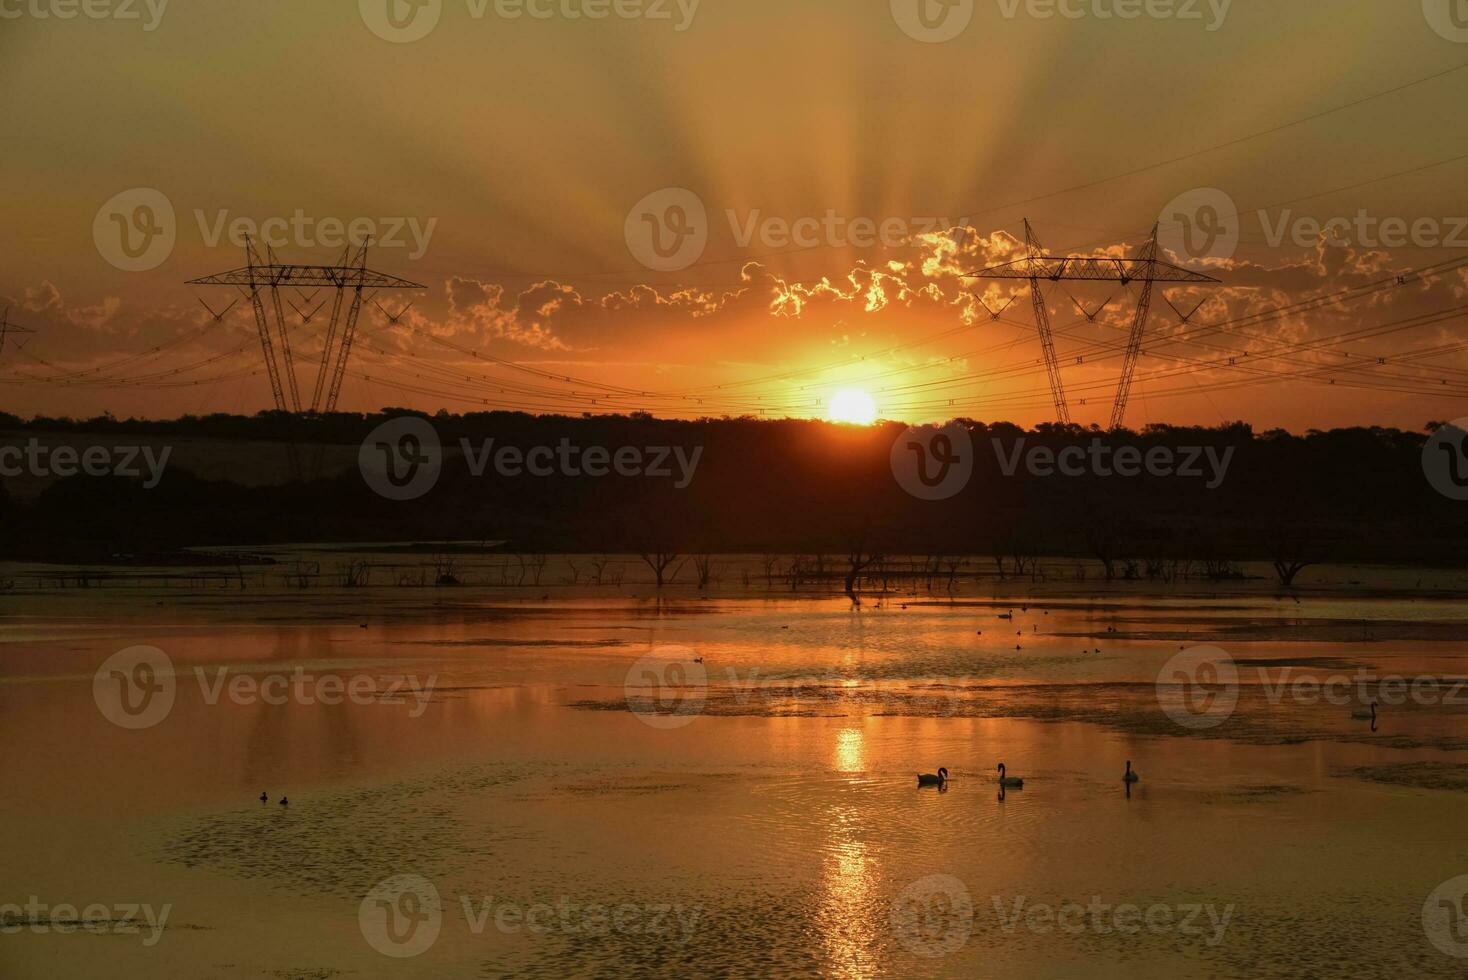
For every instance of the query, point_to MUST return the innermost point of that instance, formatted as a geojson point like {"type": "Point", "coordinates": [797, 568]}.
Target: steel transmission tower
{"type": "Point", "coordinates": [268, 276]}
{"type": "Point", "coordinates": [7, 329]}
{"type": "Point", "coordinates": [1145, 269]}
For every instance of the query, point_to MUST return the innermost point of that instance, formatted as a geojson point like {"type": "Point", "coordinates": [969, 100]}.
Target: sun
{"type": "Point", "coordinates": [852, 407]}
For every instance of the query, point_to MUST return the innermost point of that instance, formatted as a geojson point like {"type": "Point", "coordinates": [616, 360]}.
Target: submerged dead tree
{"type": "Point", "coordinates": [659, 561]}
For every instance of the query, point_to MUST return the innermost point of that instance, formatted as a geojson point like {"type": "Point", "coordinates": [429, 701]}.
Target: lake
{"type": "Point", "coordinates": [541, 775]}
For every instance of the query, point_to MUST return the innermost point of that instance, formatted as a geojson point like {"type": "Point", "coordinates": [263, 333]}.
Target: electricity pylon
{"type": "Point", "coordinates": [7, 328]}
{"type": "Point", "coordinates": [1145, 269]}
{"type": "Point", "coordinates": [261, 277]}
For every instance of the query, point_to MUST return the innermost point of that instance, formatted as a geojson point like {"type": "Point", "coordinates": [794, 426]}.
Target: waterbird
{"type": "Point", "coordinates": [928, 779]}
{"type": "Point", "coordinates": [1014, 782]}
{"type": "Point", "coordinates": [1008, 615]}
{"type": "Point", "coordinates": [1130, 776]}
{"type": "Point", "coordinates": [1362, 714]}
{"type": "Point", "coordinates": [264, 798]}
{"type": "Point", "coordinates": [284, 801]}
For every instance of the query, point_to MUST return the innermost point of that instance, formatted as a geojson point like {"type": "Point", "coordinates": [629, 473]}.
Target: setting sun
{"type": "Point", "coordinates": [852, 407]}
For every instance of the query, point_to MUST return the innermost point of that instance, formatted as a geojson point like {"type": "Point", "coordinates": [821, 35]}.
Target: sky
{"type": "Point", "coordinates": [742, 207]}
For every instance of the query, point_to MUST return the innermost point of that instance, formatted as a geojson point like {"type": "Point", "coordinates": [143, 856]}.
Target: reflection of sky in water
{"type": "Point", "coordinates": [796, 832]}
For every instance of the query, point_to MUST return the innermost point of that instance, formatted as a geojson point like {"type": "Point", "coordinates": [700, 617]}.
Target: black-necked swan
{"type": "Point", "coordinates": [928, 779]}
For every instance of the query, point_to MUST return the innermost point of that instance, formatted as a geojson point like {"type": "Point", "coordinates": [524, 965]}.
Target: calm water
{"type": "Point", "coordinates": [542, 782]}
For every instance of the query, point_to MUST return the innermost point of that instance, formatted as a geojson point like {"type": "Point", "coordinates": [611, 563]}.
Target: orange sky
{"type": "Point", "coordinates": [512, 163]}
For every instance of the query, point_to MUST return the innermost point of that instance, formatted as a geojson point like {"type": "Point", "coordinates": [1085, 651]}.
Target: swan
{"type": "Point", "coordinates": [1130, 776]}
{"type": "Point", "coordinates": [1362, 714]}
{"type": "Point", "coordinates": [264, 798]}
{"type": "Point", "coordinates": [284, 801]}
{"type": "Point", "coordinates": [928, 779]}
{"type": "Point", "coordinates": [1014, 782]}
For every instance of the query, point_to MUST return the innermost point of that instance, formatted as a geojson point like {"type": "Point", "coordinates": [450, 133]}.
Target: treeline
{"type": "Point", "coordinates": [787, 486]}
